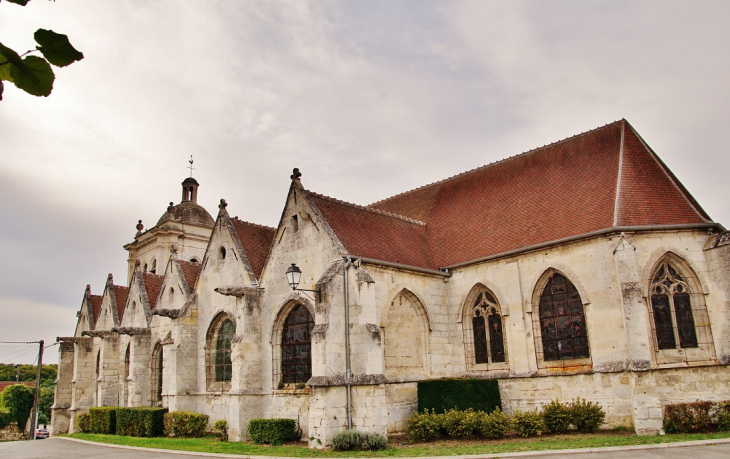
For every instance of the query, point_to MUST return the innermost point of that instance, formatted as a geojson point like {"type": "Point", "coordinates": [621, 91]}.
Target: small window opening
{"type": "Point", "coordinates": [145, 268]}
{"type": "Point", "coordinates": [294, 223]}
{"type": "Point", "coordinates": [172, 292]}
{"type": "Point", "coordinates": [194, 260]}
{"type": "Point", "coordinates": [153, 269]}
{"type": "Point", "coordinates": [222, 253]}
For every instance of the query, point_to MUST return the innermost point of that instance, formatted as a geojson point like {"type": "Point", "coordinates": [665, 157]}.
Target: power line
{"type": "Point", "coordinates": [19, 342]}
{"type": "Point", "coordinates": [22, 350]}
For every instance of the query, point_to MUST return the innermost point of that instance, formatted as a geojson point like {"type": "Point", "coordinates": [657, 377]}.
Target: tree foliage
{"type": "Point", "coordinates": [18, 400]}
{"type": "Point", "coordinates": [28, 372]}
{"type": "Point", "coordinates": [33, 74]}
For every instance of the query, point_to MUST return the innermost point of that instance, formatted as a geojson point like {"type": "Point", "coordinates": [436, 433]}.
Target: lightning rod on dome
{"type": "Point", "coordinates": [191, 166]}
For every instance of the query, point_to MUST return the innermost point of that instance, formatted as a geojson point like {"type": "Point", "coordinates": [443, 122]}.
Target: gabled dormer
{"type": "Point", "coordinates": [177, 286]}
{"type": "Point", "coordinates": [89, 312]}
{"type": "Point", "coordinates": [112, 306]}
{"type": "Point", "coordinates": [144, 290]}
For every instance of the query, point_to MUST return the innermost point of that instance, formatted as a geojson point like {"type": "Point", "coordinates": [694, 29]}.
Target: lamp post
{"type": "Point", "coordinates": [293, 276]}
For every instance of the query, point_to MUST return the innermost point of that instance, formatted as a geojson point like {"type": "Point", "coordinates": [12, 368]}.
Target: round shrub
{"type": "Point", "coordinates": [424, 426]}
{"type": "Point", "coordinates": [528, 424]}
{"type": "Point", "coordinates": [220, 427]}
{"type": "Point", "coordinates": [461, 424]}
{"type": "Point", "coordinates": [586, 416]}
{"type": "Point", "coordinates": [18, 400]}
{"type": "Point", "coordinates": [557, 417]}
{"type": "Point", "coordinates": [493, 425]}
{"type": "Point", "coordinates": [83, 421]}
{"type": "Point", "coordinates": [352, 440]}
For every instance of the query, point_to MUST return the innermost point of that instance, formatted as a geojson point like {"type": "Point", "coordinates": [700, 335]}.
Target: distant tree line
{"type": "Point", "coordinates": [27, 372]}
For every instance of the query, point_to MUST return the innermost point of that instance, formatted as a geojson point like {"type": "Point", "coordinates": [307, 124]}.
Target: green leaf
{"type": "Point", "coordinates": [19, 2]}
{"type": "Point", "coordinates": [35, 77]}
{"type": "Point", "coordinates": [5, 69]}
{"type": "Point", "coordinates": [10, 55]}
{"type": "Point", "coordinates": [56, 48]}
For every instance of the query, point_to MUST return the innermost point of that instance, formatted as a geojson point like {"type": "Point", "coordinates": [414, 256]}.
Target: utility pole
{"type": "Point", "coordinates": [34, 416]}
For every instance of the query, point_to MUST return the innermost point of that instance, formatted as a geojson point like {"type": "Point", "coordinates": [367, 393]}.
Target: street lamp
{"type": "Point", "coordinates": [293, 276]}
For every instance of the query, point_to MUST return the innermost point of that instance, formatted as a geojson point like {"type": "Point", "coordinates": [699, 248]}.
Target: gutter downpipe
{"type": "Point", "coordinates": [348, 371]}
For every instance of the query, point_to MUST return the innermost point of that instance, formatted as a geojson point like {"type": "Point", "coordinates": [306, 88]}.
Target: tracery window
{"type": "Point", "coordinates": [671, 307]}
{"type": "Point", "coordinates": [562, 321]}
{"type": "Point", "coordinates": [157, 367]}
{"type": "Point", "coordinates": [487, 327]}
{"type": "Point", "coordinates": [296, 346]}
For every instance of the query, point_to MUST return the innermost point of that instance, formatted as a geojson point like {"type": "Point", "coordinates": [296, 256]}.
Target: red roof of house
{"type": "Point", "coordinates": [190, 271]}
{"type": "Point", "coordinates": [152, 284]}
{"type": "Point", "coordinates": [256, 241]}
{"type": "Point", "coordinates": [95, 306]}
{"type": "Point", "coordinates": [121, 293]}
{"type": "Point", "coordinates": [4, 384]}
{"type": "Point", "coordinates": [597, 180]}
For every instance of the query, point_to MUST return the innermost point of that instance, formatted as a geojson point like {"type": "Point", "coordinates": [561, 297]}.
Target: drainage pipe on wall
{"type": "Point", "coordinates": [348, 370]}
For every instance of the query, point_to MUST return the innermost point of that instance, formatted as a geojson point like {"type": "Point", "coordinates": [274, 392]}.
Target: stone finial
{"type": "Point", "coordinates": [137, 264]}
{"type": "Point", "coordinates": [296, 174]}
{"type": "Point", "coordinates": [139, 227]}
{"type": "Point", "coordinates": [223, 204]}
{"type": "Point", "coordinates": [173, 248]}
{"type": "Point", "coordinates": [171, 207]}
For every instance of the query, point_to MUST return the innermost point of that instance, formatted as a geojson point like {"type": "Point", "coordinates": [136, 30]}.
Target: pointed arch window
{"type": "Point", "coordinates": [296, 346]}
{"type": "Point", "coordinates": [218, 362]}
{"type": "Point", "coordinates": [671, 306]}
{"type": "Point", "coordinates": [562, 321]}
{"type": "Point", "coordinates": [488, 330]}
{"type": "Point", "coordinates": [157, 370]}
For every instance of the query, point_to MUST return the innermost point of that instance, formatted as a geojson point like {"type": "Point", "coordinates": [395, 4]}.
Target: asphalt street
{"type": "Point", "coordinates": [62, 448]}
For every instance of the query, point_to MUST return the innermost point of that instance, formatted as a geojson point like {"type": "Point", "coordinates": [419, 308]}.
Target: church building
{"type": "Point", "coordinates": [583, 268]}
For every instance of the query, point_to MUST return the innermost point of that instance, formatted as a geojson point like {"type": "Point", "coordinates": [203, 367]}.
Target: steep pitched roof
{"type": "Point", "coordinates": [96, 306]}
{"type": "Point", "coordinates": [600, 179]}
{"type": "Point", "coordinates": [256, 241]}
{"type": "Point", "coordinates": [376, 234]}
{"type": "Point", "coordinates": [152, 285]}
{"type": "Point", "coordinates": [121, 293]}
{"type": "Point", "coordinates": [191, 271]}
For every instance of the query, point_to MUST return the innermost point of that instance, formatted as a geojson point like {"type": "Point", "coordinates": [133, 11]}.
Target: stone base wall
{"type": "Point", "coordinates": [11, 433]}
{"type": "Point", "coordinates": [401, 401]}
{"type": "Point", "coordinates": [60, 421]}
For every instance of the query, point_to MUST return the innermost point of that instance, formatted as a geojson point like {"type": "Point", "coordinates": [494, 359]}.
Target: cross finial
{"type": "Point", "coordinates": [191, 166]}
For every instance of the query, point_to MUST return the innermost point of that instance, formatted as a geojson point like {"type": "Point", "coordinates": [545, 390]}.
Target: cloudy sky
{"type": "Point", "coordinates": [367, 98]}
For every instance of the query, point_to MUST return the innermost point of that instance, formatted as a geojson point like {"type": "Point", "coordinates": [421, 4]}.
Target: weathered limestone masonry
{"type": "Point", "coordinates": [619, 295]}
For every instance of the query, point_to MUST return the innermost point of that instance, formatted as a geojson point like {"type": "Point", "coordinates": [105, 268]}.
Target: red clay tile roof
{"type": "Point", "coordinates": [376, 234]}
{"type": "Point", "coordinates": [256, 241]}
{"type": "Point", "coordinates": [190, 271]}
{"type": "Point", "coordinates": [568, 188]}
{"type": "Point", "coordinates": [4, 384]}
{"type": "Point", "coordinates": [121, 295]}
{"type": "Point", "coordinates": [95, 306]}
{"type": "Point", "coordinates": [152, 284]}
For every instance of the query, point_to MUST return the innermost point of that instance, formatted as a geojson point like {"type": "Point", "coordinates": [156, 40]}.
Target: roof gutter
{"type": "Point", "coordinates": [390, 264]}
{"type": "Point", "coordinates": [614, 229]}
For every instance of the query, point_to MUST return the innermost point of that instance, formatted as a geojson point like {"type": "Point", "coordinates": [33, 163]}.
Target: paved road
{"type": "Point", "coordinates": [58, 448]}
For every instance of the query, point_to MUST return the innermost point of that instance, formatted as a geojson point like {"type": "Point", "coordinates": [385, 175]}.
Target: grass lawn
{"type": "Point", "coordinates": [399, 447]}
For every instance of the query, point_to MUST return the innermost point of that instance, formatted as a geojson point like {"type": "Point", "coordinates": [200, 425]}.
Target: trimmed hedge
{"type": "Point", "coordinates": [143, 421]}
{"type": "Point", "coordinates": [352, 440]}
{"type": "Point", "coordinates": [457, 424]}
{"type": "Point", "coordinates": [220, 428]}
{"type": "Point", "coordinates": [103, 419]}
{"type": "Point", "coordinates": [83, 421]}
{"type": "Point", "coordinates": [528, 423]}
{"type": "Point", "coordinates": [441, 395]}
{"type": "Point", "coordinates": [274, 431]}
{"type": "Point", "coordinates": [4, 417]}
{"type": "Point", "coordinates": [185, 424]}
{"type": "Point", "coordinates": [697, 417]}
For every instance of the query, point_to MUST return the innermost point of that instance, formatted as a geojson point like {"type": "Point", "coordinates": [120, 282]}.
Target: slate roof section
{"type": "Point", "coordinates": [191, 271]}
{"type": "Point", "coordinates": [121, 293]}
{"type": "Point", "coordinates": [564, 189]}
{"type": "Point", "coordinates": [376, 234]}
{"type": "Point", "coordinates": [256, 241]}
{"type": "Point", "coordinates": [152, 284]}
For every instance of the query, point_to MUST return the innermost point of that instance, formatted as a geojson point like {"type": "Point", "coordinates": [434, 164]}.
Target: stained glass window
{"type": "Point", "coordinates": [562, 321]}
{"type": "Point", "coordinates": [296, 346]}
{"type": "Point", "coordinates": [487, 329]}
{"type": "Point", "coordinates": [671, 307]}
{"type": "Point", "coordinates": [223, 366]}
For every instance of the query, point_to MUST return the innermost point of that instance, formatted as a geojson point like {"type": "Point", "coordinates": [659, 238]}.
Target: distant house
{"type": "Point", "coordinates": [4, 384]}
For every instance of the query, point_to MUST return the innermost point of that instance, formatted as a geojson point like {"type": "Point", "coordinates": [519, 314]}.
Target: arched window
{"type": "Point", "coordinates": [296, 346]}
{"type": "Point", "coordinates": [127, 359]}
{"type": "Point", "coordinates": [98, 364]}
{"type": "Point", "coordinates": [157, 367]}
{"type": "Point", "coordinates": [562, 321]}
{"type": "Point", "coordinates": [153, 269]}
{"type": "Point", "coordinates": [487, 329]}
{"type": "Point", "coordinates": [221, 332]}
{"type": "Point", "coordinates": [672, 309]}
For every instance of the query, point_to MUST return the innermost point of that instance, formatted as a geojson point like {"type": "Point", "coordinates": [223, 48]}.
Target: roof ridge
{"type": "Point", "coordinates": [253, 224]}
{"type": "Point", "coordinates": [524, 153]}
{"type": "Point", "coordinates": [368, 209]}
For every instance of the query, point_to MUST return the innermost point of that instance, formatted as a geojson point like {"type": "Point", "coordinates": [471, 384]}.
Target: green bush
{"type": "Point", "coordinates": [723, 416]}
{"type": "Point", "coordinates": [557, 417]}
{"type": "Point", "coordinates": [4, 417]}
{"type": "Point", "coordinates": [103, 419]}
{"type": "Point", "coordinates": [528, 424]}
{"type": "Point", "coordinates": [43, 419]}
{"type": "Point", "coordinates": [424, 426]}
{"type": "Point", "coordinates": [143, 421]}
{"type": "Point", "coordinates": [185, 424]}
{"type": "Point", "coordinates": [493, 425]}
{"type": "Point", "coordinates": [220, 428]}
{"type": "Point", "coordinates": [352, 440]}
{"type": "Point", "coordinates": [274, 431]}
{"type": "Point", "coordinates": [688, 417]}
{"type": "Point", "coordinates": [461, 424]}
{"type": "Point", "coordinates": [18, 400]}
{"type": "Point", "coordinates": [460, 394]}
{"type": "Point", "coordinates": [83, 421]}
{"type": "Point", "coordinates": [586, 416]}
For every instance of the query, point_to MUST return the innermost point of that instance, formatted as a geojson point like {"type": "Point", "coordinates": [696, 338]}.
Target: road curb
{"type": "Point", "coordinates": [548, 452]}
